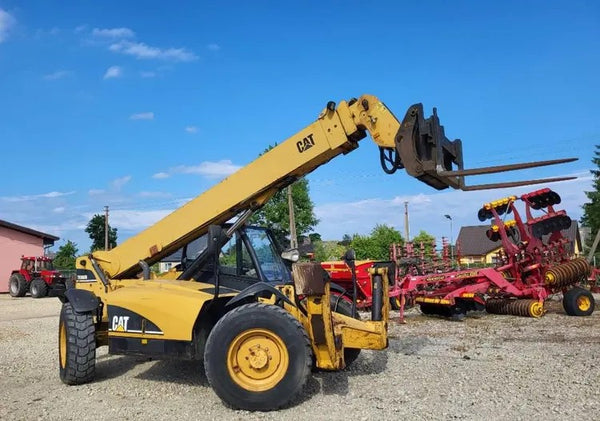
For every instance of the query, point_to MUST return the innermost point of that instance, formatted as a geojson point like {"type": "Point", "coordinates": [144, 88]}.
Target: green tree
{"type": "Point", "coordinates": [275, 213]}
{"type": "Point", "coordinates": [328, 250]}
{"type": "Point", "coordinates": [376, 246]}
{"type": "Point", "coordinates": [427, 240]}
{"type": "Point", "coordinates": [65, 256]}
{"type": "Point", "coordinates": [591, 210]}
{"type": "Point", "coordinates": [95, 229]}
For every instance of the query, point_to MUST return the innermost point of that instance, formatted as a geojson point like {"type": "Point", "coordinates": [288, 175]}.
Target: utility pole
{"type": "Point", "coordinates": [106, 228]}
{"type": "Point", "coordinates": [293, 236]}
{"type": "Point", "coordinates": [406, 230]}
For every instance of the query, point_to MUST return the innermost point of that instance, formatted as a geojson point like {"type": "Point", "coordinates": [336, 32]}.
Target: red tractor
{"type": "Point", "coordinates": [37, 276]}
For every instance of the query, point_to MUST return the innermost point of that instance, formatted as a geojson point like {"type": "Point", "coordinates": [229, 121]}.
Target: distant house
{"type": "Point", "coordinates": [17, 241]}
{"type": "Point", "coordinates": [476, 249]}
{"type": "Point", "coordinates": [193, 250]}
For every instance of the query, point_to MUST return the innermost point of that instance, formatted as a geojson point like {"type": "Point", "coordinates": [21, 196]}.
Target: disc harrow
{"type": "Point", "coordinates": [535, 261]}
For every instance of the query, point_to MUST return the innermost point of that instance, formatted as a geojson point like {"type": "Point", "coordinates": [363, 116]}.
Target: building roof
{"type": "Point", "coordinates": [193, 250]}
{"type": "Point", "coordinates": [473, 241]}
{"type": "Point", "coordinates": [48, 238]}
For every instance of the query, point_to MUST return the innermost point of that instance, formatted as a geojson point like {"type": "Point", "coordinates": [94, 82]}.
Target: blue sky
{"type": "Point", "coordinates": [142, 108]}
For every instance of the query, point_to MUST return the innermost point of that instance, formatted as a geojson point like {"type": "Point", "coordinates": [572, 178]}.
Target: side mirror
{"type": "Point", "coordinates": [292, 255]}
{"type": "Point", "coordinates": [350, 255]}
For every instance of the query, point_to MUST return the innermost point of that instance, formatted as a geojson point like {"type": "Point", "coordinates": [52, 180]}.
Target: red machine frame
{"type": "Point", "coordinates": [528, 270]}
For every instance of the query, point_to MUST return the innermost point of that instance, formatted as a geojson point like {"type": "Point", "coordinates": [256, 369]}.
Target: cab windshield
{"type": "Point", "coordinates": [267, 255]}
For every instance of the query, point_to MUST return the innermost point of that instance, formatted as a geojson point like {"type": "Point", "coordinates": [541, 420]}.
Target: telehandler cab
{"type": "Point", "coordinates": [258, 327]}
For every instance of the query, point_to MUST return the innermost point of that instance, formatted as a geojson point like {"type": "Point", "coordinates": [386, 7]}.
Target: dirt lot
{"type": "Point", "coordinates": [485, 367]}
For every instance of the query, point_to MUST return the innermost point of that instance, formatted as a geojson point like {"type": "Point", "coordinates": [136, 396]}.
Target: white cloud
{"type": "Point", "coordinates": [113, 72]}
{"type": "Point", "coordinates": [95, 192]}
{"type": "Point", "coordinates": [213, 47]}
{"type": "Point", "coordinates": [147, 74]}
{"type": "Point", "coordinates": [426, 211]}
{"type": "Point", "coordinates": [80, 29]}
{"type": "Point", "coordinates": [208, 169]}
{"type": "Point", "coordinates": [113, 33]}
{"type": "Point", "coordinates": [118, 183]}
{"type": "Point", "coordinates": [49, 195]}
{"type": "Point", "coordinates": [142, 116]}
{"type": "Point", "coordinates": [59, 74]}
{"type": "Point", "coordinates": [60, 209]}
{"type": "Point", "coordinates": [135, 220]}
{"type": "Point", "coordinates": [191, 129]}
{"type": "Point", "coordinates": [140, 50]}
{"type": "Point", "coordinates": [7, 22]}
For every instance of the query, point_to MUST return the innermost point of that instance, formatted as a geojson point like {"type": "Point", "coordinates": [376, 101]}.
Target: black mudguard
{"type": "Point", "coordinates": [81, 300]}
{"type": "Point", "coordinates": [256, 289]}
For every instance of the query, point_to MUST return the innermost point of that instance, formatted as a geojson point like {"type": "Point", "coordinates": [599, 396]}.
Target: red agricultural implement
{"type": "Point", "coordinates": [341, 275]}
{"type": "Point", "coordinates": [535, 261]}
{"type": "Point", "coordinates": [36, 275]}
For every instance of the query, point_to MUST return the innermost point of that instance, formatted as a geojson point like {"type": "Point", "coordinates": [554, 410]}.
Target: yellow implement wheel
{"type": "Point", "coordinates": [578, 302]}
{"type": "Point", "coordinates": [62, 345]}
{"type": "Point", "coordinates": [583, 303]}
{"type": "Point", "coordinates": [257, 360]}
{"type": "Point", "coordinates": [536, 309]}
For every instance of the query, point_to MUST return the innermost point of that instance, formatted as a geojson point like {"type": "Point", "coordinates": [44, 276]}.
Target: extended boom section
{"type": "Point", "coordinates": [417, 144]}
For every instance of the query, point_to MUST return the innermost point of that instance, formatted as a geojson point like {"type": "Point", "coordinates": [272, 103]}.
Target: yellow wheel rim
{"type": "Point", "coordinates": [257, 360]}
{"type": "Point", "coordinates": [536, 309]}
{"type": "Point", "coordinates": [62, 345]}
{"type": "Point", "coordinates": [583, 303]}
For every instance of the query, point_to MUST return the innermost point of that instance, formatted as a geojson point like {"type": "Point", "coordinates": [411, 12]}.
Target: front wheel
{"type": "Point", "coordinates": [257, 357]}
{"type": "Point", "coordinates": [38, 288]}
{"type": "Point", "coordinates": [578, 302]}
{"type": "Point", "coordinates": [76, 346]}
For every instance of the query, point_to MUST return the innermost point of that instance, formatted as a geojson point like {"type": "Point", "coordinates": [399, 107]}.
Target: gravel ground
{"type": "Point", "coordinates": [485, 367]}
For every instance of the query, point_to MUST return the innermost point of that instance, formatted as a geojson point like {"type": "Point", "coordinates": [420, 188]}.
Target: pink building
{"type": "Point", "coordinates": [17, 241]}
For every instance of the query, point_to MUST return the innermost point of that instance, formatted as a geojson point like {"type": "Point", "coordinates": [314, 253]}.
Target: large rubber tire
{"type": "Point", "coordinates": [76, 346]}
{"type": "Point", "coordinates": [38, 288]}
{"type": "Point", "coordinates": [578, 302]}
{"type": "Point", "coordinates": [340, 305]}
{"type": "Point", "coordinates": [17, 285]}
{"type": "Point", "coordinates": [257, 357]}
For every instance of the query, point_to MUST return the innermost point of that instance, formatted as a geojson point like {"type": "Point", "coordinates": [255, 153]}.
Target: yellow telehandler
{"type": "Point", "coordinates": [258, 326]}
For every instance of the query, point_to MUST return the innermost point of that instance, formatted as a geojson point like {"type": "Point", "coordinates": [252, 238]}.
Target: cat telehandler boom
{"type": "Point", "coordinates": [258, 326]}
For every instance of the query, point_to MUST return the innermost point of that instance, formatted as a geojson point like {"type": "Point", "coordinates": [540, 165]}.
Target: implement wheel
{"type": "Point", "coordinates": [76, 346]}
{"type": "Point", "coordinates": [17, 285]}
{"type": "Point", "coordinates": [578, 302]}
{"type": "Point", "coordinates": [257, 357]}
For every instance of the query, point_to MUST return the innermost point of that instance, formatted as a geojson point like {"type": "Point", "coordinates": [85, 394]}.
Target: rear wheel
{"type": "Point", "coordinates": [17, 285]}
{"type": "Point", "coordinates": [578, 302]}
{"type": "Point", "coordinates": [76, 346]}
{"type": "Point", "coordinates": [257, 357]}
{"type": "Point", "coordinates": [38, 288]}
